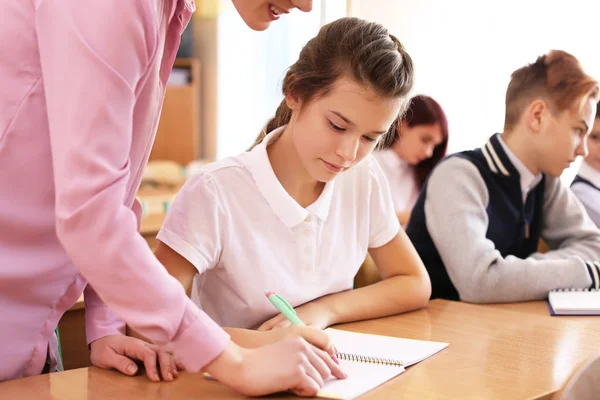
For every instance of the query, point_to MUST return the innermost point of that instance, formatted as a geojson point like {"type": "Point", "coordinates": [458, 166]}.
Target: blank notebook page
{"type": "Point", "coordinates": [364, 376]}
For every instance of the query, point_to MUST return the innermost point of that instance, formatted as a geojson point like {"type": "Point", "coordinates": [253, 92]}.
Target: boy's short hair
{"type": "Point", "coordinates": [556, 77]}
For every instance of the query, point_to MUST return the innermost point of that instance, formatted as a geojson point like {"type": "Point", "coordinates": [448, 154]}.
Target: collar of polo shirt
{"type": "Point", "coordinates": [282, 204]}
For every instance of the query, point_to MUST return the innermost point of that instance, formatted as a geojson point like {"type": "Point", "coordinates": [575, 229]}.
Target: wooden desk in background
{"type": "Point", "coordinates": [494, 353]}
{"type": "Point", "coordinates": [71, 328]}
{"type": "Point", "coordinates": [149, 228]}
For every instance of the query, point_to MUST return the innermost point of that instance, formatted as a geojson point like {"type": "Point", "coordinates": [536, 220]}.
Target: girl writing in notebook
{"type": "Point", "coordinates": [299, 211]}
{"type": "Point", "coordinates": [417, 145]}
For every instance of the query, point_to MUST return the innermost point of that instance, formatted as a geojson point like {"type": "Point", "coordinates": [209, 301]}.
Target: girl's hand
{"type": "Point", "coordinates": [312, 314]}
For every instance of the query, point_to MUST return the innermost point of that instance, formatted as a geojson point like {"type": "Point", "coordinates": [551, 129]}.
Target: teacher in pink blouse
{"type": "Point", "coordinates": [82, 84]}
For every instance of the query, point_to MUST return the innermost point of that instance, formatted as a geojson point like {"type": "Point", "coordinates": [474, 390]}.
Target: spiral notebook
{"type": "Point", "coordinates": [371, 360]}
{"type": "Point", "coordinates": [574, 302]}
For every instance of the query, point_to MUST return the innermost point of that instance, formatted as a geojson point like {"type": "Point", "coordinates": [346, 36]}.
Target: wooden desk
{"type": "Point", "coordinates": [149, 228]}
{"type": "Point", "coordinates": [151, 224]}
{"type": "Point", "coordinates": [494, 353]}
{"type": "Point", "coordinates": [540, 308]}
{"type": "Point", "coordinates": [530, 307]}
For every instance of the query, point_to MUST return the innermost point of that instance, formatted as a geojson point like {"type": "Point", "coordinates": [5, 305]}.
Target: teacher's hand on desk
{"type": "Point", "coordinates": [292, 364]}
{"type": "Point", "coordinates": [119, 351]}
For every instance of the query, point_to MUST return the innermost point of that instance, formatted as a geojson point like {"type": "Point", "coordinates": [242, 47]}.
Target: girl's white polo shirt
{"type": "Point", "coordinates": [245, 235]}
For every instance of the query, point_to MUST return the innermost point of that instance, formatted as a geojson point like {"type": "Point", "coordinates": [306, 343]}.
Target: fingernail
{"type": "Point", "coordinates": [132, 368]}
{"type": "Point", "coordinates": [345, 374]}
{"type": "Point", "coordinates": [170, 376]}
{"type": "Point", "coordinates": [156, 377]}
{"type": "Point", "coordinates": [335, 360]}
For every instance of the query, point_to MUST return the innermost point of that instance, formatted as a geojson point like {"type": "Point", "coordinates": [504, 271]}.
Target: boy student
{"type": "Point", "coordinates": [318, 199]}
{"type": "Point", "coordinates": [586, 184]}
{"type": "Point", "coordinates": [78, 114]}
{"type": "Point", "coordinates": [478, 220]}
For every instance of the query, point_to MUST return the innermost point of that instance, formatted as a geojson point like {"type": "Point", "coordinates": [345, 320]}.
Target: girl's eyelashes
{"type": "Point", "coordinates": [340, 129]}
{"type": "Point", "coordinates": [335, 127]}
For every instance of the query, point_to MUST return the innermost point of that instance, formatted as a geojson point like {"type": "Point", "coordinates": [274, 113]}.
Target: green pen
{"type": "Point", "coordinates": [284, 307]}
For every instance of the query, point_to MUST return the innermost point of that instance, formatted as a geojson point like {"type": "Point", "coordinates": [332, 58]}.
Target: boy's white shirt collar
{"type": "Point", "coordinates": [589, 173]}
{"type": "Point", "coordinates": [528, 179]}
{"type": "Point", "coordinates": [284, 205]}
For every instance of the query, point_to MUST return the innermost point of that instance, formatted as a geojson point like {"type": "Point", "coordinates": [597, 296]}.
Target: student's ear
{"type": "Point", "coordinates": [536, 114]}
{"type": "Point", "coordinates": [292, 102]}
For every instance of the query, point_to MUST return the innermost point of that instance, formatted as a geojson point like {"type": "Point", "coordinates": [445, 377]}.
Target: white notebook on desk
{"type": "Point", "coordinates": [371, 360]}
{"type": "Point", "coordinates": [574, 302]}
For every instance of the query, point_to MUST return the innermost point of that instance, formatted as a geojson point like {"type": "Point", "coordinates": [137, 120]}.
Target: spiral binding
{"type": "Point", "coordinates": [370, 360]}
{"type": "Point", "coordinates": [574, 290]}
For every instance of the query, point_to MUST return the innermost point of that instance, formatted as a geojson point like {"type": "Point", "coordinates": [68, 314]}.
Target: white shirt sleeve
{"type": "Point", "coordinates": [195, 222]}
{"type": "Point", "coordinates": [383, 223]}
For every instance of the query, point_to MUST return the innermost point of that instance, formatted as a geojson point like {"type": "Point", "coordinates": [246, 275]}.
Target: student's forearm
{"type": "Point", "coordinates": [251, 339]}
{"type": "Point", "coordinates": [247, 338]}
{"type": "Point", "coordinates": [585, 243]}
{"type": "Point", "coordinates": [568, 229]}
{"type": "Point", "coordinates": [480, 273]}
{"type": "Point", "coordinates": [391, 296]}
